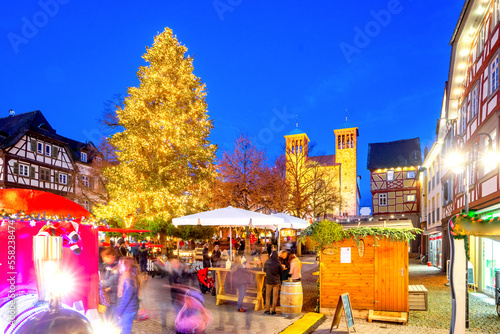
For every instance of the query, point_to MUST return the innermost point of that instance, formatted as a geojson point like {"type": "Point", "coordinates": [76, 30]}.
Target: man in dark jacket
{"type": "Point", "coordinates": [273, 270]}
{"type": "Point", "coordinates": [206, 256]}
{"type": "Point", "coordinates": [143, 258]}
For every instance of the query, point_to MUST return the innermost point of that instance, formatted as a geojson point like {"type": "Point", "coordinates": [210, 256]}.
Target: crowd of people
{"type": "Point", "coordinates": [126, 271]}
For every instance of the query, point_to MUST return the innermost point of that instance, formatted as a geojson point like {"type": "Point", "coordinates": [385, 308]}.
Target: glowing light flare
{"type": "Point", "coordinates": [456, 162]}
{"type": "Point", "coordinates": [61, 284]}
{"type": "Point", "coordinates": [491, 157]}
{"type": "Point", "coordinates": [105, 327]}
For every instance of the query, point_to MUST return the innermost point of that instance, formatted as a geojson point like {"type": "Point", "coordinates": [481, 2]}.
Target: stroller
{"type": "Point", "coordinates": [159, 268]}
{"type": "Point", "coordinates": [206, 281]}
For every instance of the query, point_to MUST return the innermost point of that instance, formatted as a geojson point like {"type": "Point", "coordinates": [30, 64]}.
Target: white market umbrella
{"type": "Point", "coordinates": [230, 217]}
{"type": "Point", "coordinates": [291, 221]}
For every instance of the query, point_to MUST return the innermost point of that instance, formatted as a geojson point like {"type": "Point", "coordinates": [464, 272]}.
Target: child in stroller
{"type": "Point", "coordinates": [206, 281]}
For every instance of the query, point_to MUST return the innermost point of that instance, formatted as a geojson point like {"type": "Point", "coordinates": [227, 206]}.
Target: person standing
{"type": "Point", "coordinates": [295, 268]}
{"type": "Point", "coordinates": [206, 256]}
{"type": "Point", "coordinates": [110, 281]}
{"type": "Point", "coordinates": [128, 294]}
{"type": "Point", "coordinates": [143, 257]}
{"type": "Point", "coordinates": [273, 271]}
{"type": "Point", "coordinates": [283, 258]}
{"type": "Point", "coordinates": [216, 255]}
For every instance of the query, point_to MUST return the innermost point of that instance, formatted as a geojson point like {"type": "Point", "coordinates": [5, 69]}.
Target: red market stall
{"type": "Point", "coordinates": [24, 213]}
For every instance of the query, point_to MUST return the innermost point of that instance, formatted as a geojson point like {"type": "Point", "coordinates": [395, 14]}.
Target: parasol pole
{"type": "Point", "coordinates": [279, 239]}
{"type": "Point", "coordinates": [230, 244]}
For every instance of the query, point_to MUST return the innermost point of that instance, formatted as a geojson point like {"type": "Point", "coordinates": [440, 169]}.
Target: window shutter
{"type": "Point", "coordinates": [70, 179]}
{"type": "Point", "coordinates": [33, 145]}
{"type": "Point", "coordinates": [91, 183]}
{"type": "Point", "coordinates": [56, 177]}
{"type": "Point", "coordinates": [16, 168]}
{"type": "Point", "coordinates": [32, 172]}
{"type": "Point", "coordinates": [55, 151]}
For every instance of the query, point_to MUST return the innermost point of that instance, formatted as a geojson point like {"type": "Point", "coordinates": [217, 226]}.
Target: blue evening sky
{"type": "Point", "coordinates": [263, 62]}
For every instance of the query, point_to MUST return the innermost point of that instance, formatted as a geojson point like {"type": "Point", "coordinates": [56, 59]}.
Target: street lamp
{"type": "Point", "coordinates": [458, 161]}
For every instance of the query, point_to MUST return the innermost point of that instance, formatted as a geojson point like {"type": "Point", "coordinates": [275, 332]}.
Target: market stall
{"type": "Point", "coordinates": [39, 231]}
{"type": "Point", "coordinates": [369, 263]}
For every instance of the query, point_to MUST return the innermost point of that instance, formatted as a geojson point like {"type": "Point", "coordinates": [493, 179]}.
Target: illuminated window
{"type": "Point", "coordinates": [390, 175]}
{"type": "Point", "coordinates": [494, 75]}
{"type": "Point", "coordinates": [410, 198]}
{"type": "Point", "coordinates": [382, 199]}
{"type": "Point", "coordinates": [410, 175]}
{"type": "Point", "coordinates": [490, 165]}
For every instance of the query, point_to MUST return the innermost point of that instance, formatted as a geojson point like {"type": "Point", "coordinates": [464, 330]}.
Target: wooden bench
{"type": "Point", "coordinates": [418, 298]}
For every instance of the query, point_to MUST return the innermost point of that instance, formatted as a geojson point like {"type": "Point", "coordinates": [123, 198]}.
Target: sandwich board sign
{"type": "Point", "coordinates": [343, 306]}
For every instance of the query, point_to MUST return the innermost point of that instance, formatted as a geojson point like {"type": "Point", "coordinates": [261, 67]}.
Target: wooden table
{"type": "Point", "coordinates": [258, 300]}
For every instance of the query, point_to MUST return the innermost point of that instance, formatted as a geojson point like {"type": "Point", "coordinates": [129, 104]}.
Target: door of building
{"type": "Point", "coordinates": [391, 276]}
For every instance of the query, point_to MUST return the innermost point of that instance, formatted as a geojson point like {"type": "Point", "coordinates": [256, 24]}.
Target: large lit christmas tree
{"type": "Point", "coordinates": [165, 159]}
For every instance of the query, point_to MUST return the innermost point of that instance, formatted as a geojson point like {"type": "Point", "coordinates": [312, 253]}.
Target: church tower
{"type": "Point", "coordinates": [297, 142]}
{"type": "Point", "coordinates": [346, 152]}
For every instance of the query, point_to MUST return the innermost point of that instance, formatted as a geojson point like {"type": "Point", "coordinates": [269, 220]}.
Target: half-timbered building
{"type": "Point", "coordinates": [473, 111]}
{"type": "Point", "coordinates": [394, 181]}
{"type": "Point", "coordinates": [34, 156]}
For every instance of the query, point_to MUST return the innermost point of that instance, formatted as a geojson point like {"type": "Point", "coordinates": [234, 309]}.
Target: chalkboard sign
{"type": "Point", "coordinates": [344, 304]}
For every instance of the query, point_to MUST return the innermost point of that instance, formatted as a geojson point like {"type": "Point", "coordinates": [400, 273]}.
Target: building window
{"type": "Point", "coordinates": [490, 165]}
{"type": "Point", "coordinates": [63, 179]}
{"type": "Point", "coordinates": [85, 181]}
{"type": "Point", "coordinates": [48, 150]}
{"type": "Point", "coordinates": [410, 175]}
{"type": "Point", "coordinates": [44, 174]}
{"type": "Point", "coordinates": [494, 75]}
{"type": "Point", "coordinates": [390, 175]}
{"type": "Point", "coordinates": [474, 101]}
{"type": "Point", "coordinates": [382, 199]}
{"type": "Point", "coordinates": [463, 117]}
{"type": "Point", "coordinates": [410, 198]}
{"type": "Point", "coordinates": [24, 170]}
{"type": "Point", "coordinates": [86, 205]}
{"type": "Point", "coordinates": [39, 148]}
{"type": "Point", "coordinates": [83, 156]}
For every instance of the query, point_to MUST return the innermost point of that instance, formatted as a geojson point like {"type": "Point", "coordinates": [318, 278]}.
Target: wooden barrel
{"type": "Point", "coordinates": [291, 298]}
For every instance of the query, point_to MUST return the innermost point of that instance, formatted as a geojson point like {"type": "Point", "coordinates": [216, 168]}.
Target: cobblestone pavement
{"type": "Point", "coordinates": [483, 318]}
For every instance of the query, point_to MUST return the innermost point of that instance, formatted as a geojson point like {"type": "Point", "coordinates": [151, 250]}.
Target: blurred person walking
{"type": "Point", "coordinates": [128, 293]}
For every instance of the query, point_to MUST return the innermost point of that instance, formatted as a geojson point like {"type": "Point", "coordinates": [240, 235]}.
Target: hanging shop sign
{"type": "Point", "coordinates": [288, 233]}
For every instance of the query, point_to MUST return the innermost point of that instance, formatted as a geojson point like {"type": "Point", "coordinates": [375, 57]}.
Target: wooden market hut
{"type": "Point", "coordinates": [374, 271]}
